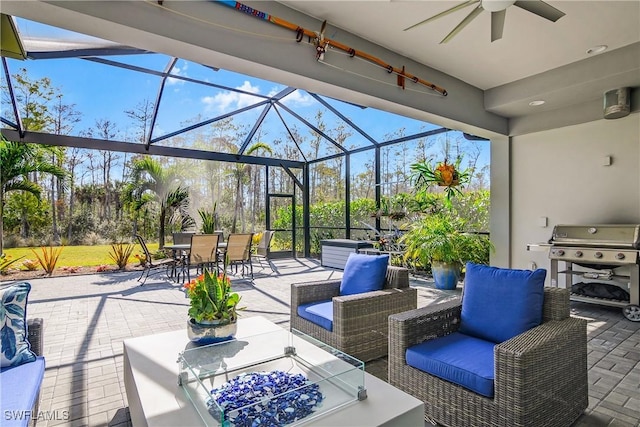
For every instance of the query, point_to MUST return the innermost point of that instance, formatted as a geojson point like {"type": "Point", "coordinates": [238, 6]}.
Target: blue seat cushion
{"type": "Point", "coordinates": [20, 386]}
{"type": "Point", "coordinates": [320, 313]}
{"type": "Point", "coordinates": [364, 273]}
{"type": "Point", "coordinates": [500, 303]}
{"type": "Point", "coordinates": [13, 325]}
{"type": "Point", "coordinates": [458, 358]}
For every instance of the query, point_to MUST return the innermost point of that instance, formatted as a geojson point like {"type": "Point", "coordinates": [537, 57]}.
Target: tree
{"type": "Point", "coordinates": [17, 161]}
{"type": "Point", "coordinates": [74, 159]}
{"type": "Point", "coordinates": [161, 182]}
{"type": "Point", "coordinates": [241, 173]}
{"type": "Point", "coordinates": [141, 116]}
{"type": "Point", "coordinates": [64, 117]}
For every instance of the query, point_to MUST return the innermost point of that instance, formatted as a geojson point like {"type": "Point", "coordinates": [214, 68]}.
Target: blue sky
{"type": "Point", "coordinates": [101, 91]}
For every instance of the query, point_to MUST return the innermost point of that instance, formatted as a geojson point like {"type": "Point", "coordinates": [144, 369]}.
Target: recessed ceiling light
{"type": "Point", "coordinates": [536, 103]}
{"type": "Point", "coordinates": [597, 49]}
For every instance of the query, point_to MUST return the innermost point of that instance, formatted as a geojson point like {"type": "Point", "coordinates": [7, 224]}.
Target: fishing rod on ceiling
{"type": "Point", "coordinates": [322, 44]}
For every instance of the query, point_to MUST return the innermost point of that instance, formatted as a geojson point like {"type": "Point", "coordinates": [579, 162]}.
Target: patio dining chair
{"type": "Point", "coordinates": [203, 253]}
{"type": "Point", "coordinates": [182, 238]}
{"type": "Point", "coordinates": [149, 264]}
{"type": "Point", "coordinates": [238, 252]}
{"type": "Point", "coordinates": [262, 250]}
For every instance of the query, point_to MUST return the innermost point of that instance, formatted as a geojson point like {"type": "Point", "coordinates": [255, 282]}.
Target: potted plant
{"type": "Point", "coordinates": [443, 174]}
{"type": "Point", "coordinates": [213, 312]}
{"type": "Point", "coordinates": [437, 240]}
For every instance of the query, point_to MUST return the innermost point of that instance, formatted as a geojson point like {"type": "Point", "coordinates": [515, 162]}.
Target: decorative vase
{"type": "Point", "coordinates": [445, 275]}
{"type": "Point", "coordinates": [210, 332]}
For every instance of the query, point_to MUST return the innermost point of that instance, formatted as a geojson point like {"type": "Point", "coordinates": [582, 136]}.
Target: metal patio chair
{"type": "Point", "coordinates": [238, 252]}
{"type": "Point", "coordinates": [262, 250]}
{"type": "Point", "coordinates": [168, 264]}
{"type": "Point", "coordinates": [203, 253]}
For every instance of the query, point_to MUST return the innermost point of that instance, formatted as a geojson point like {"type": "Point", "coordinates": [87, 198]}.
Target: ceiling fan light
{"type": "Point", "coordinates": [496, 5]}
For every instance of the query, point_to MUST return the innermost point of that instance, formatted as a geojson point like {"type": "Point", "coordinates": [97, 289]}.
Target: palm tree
{"type": "Point", "coordinates": [17, 161]}
{"type": "Point", "coordinates": [242, 172]}
{"type": "Point", "coordinates": [164, 184]}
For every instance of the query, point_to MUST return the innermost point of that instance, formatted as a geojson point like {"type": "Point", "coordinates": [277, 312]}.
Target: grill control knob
{"type": "Point", "coordinates": [619, 255]}
{"type": "Point", "coordinates": [559, 252]}
{"type": "Point", "coordinates": [578, 254]}
{"type": "Point", "coordinates": [598, 255]}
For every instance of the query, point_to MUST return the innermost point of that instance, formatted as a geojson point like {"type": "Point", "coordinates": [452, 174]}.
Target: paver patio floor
{"type": "Point", "coordinates": [86, 319]}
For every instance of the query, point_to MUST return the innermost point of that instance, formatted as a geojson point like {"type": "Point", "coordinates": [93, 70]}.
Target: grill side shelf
{"type": "Point", "coordinates": [588, 275]}
{"type": "Point", "coordinates": [600, 301]}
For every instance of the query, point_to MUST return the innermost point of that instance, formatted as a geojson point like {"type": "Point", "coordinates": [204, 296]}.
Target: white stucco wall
{"type": "Point", "coordinates": [559, 174]}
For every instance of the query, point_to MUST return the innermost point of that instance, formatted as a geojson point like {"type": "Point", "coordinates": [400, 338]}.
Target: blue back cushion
{"type": "Point", "coordinates": [364, 273]}
{"type": "Point", "coordinates": [318, 312]}
{"type": "Point", "coordinates": [459, 358]}
{"type": "Point", "coordinates": [500, 303]}
{"type": "Point", "coordinates": [13, 325]}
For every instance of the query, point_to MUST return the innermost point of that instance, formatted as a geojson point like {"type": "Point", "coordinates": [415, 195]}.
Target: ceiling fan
{"type": "Point", "coordinates": [498, 9]}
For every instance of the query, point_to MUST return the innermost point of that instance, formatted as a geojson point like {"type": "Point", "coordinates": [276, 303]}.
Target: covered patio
{"type": "Point", "coordinates": [87, 318]}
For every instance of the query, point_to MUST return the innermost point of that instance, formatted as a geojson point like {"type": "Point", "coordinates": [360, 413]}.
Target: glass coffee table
{"type": "Point", "coordinates": [162, 392]}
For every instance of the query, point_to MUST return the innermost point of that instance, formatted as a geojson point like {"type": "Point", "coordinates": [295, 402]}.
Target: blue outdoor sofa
{"type": "Point", "coordinates": [23, 365]}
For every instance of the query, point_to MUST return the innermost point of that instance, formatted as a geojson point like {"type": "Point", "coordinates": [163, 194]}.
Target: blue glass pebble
{"type": "Point", "coordinates": [245, 390]}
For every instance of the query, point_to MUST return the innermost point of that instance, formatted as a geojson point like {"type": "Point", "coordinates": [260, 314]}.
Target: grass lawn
{"type": "Point", "coordinates": [76, 256]}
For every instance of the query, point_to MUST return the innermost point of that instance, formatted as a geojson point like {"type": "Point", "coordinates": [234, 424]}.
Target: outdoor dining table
{"type": "Point", "coordinates": [178, 253]}
{"type": "Point", "coordinates": [183, 250]}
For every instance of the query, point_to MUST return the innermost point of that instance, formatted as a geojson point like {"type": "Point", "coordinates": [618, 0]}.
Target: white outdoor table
{"type": "Point", "coordinates": [156, 399]}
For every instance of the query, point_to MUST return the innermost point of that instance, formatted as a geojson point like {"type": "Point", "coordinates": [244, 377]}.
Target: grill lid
{"type": "Point", "coordinates": [605, 235]}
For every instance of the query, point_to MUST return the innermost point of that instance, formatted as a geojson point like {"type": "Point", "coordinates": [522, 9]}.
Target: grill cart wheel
{"type": "Point", "coordinates": [632, 312]}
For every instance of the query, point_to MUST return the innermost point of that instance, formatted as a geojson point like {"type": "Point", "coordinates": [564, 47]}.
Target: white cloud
{"type": "Point", "coordinates": [177, 71]}
{"type": "Point", "coordinates": [228, 101]}
{"type": "Point", "coordinates": [298, 99]}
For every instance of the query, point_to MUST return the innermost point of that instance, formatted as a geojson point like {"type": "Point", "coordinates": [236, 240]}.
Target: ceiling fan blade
{"type": "Point", "coordinates": [446, 12]}
{"type": "Point", "coordinates": [541, 9]}
{"type": "Point", "coordinates": [497, 24]}
{"type": "Point", "coordinates": [470, 17]}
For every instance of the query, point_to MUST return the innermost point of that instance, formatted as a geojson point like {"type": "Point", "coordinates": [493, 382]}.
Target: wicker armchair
{"type": "Point", "coordinates": [540, 375]}
{"type": "Point", "coordinates": [360, 321]}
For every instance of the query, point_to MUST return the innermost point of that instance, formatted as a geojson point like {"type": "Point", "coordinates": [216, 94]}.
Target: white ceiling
{"type": "Point", "coordinates": [535, 59]}
{"type": "Point", "coordinates": [529, 47]}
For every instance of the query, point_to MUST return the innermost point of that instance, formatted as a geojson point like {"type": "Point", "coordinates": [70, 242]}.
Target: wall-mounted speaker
{"type": "Point", "coordinates": [617, 103]}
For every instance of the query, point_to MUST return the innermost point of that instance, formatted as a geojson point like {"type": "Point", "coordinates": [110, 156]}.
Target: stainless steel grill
{"type": "Point", "coordinates": [601, 255]}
